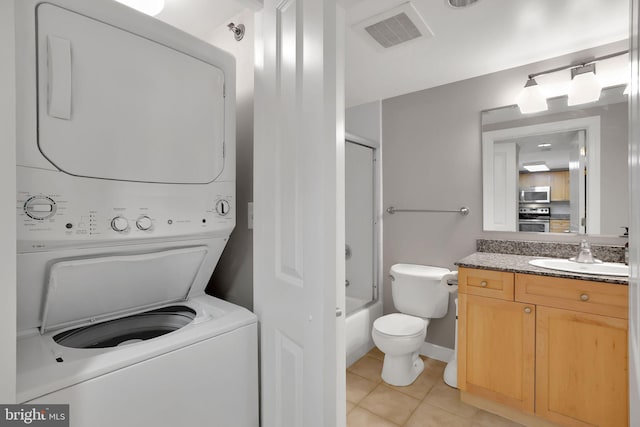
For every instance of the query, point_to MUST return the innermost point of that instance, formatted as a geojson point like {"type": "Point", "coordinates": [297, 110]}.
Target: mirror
{"type": "Point", "coordinates": [560, 171]}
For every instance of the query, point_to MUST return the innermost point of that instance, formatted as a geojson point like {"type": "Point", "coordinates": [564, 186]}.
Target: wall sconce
{"type": "Point", "coordinates": [584, 87]}
{"type": "Point", "coordinates": [531, 99]}
{"type": "Point", "coordinates": [150, 7]}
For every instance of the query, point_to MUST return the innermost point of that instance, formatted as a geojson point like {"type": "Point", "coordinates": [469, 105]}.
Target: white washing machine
{"type": "Point", "coordinates": [125, 201]}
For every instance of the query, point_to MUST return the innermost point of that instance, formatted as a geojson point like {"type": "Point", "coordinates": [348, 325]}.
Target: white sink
{"type": "Point", "coordinates": [601, 269]}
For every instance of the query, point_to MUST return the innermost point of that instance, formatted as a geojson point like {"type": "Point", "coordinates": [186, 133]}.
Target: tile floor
{"type": "Point", "coordinates": [428, 402]}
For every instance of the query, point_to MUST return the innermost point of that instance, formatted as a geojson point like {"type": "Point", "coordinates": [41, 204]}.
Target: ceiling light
{"type": "Point", "coordinates": [531, 99]}
{"type": "Point", "coordinates": [461, 3]}
{"type": "Point", "coordinates": [150, 7]}
{"type": "Point", "coordinates": [585, 86]}
{"type": "Point", "coordinates": [536, 167]}
{"type": "Point", "coordinates": [544, 145]}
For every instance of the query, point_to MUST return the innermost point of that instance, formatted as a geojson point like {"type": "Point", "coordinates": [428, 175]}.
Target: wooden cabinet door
{"type": "Point", "coordinates": [496, 346]}
{"type": "Point", "coordinates": [534, 179]}
{"type": "Point", "coordinates": [581, 368]}
{"type": "Point", "coordinates": [560, 190]}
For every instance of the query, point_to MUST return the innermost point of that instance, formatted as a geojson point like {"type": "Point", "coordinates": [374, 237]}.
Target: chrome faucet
{"type": "Point", "coordinates": [584, 255]}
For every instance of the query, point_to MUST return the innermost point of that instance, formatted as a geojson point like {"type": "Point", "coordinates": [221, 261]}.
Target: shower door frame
{"type": "Point", "coordinates": [377, 214]}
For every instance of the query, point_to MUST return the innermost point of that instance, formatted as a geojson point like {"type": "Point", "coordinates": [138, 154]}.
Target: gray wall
{"type": "Point", "coordinates": [233, 278]}
{"type": "Point", "coordinates": [432, 160]}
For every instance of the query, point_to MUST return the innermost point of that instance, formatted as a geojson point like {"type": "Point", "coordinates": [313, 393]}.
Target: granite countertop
{"type": "Point", "coordinates": [520, 264]}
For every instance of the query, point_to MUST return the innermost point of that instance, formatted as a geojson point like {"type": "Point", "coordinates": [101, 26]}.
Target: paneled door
{"type": "Point", "coordinates": [299, 213]}
{"type": "Point", "coordinates": [496, 346]}
{"type": "Point", "coordinates": [581, 368]}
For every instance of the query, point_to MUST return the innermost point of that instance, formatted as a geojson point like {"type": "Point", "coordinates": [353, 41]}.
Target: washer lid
{"type": "Point", "coordinates": [400, 325]}
{"type": "Point", "coordinates": [89, 290]}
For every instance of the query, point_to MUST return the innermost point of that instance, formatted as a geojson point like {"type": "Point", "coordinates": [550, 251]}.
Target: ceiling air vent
{"type": "Point", "coordinates": [393, 27]}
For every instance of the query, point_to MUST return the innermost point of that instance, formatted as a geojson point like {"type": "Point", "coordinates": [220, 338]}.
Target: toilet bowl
{"type": "Point", "coordinates": [420, 293]}
{"type": "Point", "coordinates": [399, 337]}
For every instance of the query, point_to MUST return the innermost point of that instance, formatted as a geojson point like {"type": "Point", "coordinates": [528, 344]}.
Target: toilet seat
{"type": "Point", "coordinates": [400, 325]}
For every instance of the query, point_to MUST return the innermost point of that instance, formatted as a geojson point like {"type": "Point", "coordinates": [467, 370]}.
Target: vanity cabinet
{"type": "Point", "coordinates": [555, 350]}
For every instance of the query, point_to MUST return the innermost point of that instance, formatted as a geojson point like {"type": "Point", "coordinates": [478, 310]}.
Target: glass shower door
{"type": "Point", "coordinates": [359, 223]}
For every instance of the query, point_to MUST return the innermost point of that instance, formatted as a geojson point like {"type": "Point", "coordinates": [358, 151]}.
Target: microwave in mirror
{"type": "Point", "coordinates": [535, 195]}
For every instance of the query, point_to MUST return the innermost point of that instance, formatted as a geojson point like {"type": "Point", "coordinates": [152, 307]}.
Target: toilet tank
{"type": "Point", "coordinates": [416, 290]}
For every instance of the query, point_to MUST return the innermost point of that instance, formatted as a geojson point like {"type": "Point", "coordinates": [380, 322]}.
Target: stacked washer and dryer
{"type": "Point", "coordinates": [125, 201]}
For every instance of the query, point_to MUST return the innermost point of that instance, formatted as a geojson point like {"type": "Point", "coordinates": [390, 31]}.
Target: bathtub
{"type": "Point", "coordinates": [358, 324]}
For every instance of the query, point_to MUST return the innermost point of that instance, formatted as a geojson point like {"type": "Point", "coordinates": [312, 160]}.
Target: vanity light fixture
{"type": "Point", "coordinates": [585, 86]}
{"type": "Point", "coordinates": [536, 167]}
{"type": "Point", "coordinates": [150, 7]}
{"type": "Point", "coordinates": [531, 99]}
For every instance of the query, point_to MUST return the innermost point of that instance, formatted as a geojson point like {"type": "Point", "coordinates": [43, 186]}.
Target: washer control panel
{"type": "Point", "coordinates": [65, 210]}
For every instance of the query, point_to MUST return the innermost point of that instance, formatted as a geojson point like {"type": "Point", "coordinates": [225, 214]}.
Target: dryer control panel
{"type": "Point", "coordinates": [66, 211]}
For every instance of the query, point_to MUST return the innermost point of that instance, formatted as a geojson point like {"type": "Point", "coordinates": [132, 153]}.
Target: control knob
{"type": "Point", "coordinates": [40, 207]}
{"type": "Point", "coordinates": [223, 207]}
{"type": "Point", "coordinates": [144, 223]}
{"type": "Point", "coordinates": [119, 224]}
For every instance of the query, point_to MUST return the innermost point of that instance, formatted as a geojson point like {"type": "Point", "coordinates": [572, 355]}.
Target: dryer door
{"type": "Point", "coordinates": [115, 105]}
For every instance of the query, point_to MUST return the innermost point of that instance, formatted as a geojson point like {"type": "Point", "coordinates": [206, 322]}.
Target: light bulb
{"type": "Point", "coordinates": [585, 86]}
{"type": "Point", "coordinates": [531, 99]}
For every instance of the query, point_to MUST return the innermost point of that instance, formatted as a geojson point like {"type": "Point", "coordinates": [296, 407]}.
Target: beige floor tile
{"type": "Point", "coordinates": [486, 419]}
{"type": "Point", "coordinates": [368, 367]}
{"type": "Point", "coordinates": [432, 416]}
{"type": "Point", "coordinates": [350, 406]}
{"type": "Point", "coordinates": [358, 387]}
{"type": "Point", "coordinates": [359, 417]}
{"type": "Point", "coordinates": [375, 352]}
{"type": "Point", "coordinates": [433, 368]}
{"type": "Point", "coordinates": [419, 388]}
{"type": "Point", "coordinates": [447, 398]}
{"type": "Point", "coordinates": [390, 404]}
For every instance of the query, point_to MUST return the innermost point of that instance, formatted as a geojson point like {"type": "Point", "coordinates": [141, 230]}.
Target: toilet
{"type": "Point", "coordinates": [419, 293]}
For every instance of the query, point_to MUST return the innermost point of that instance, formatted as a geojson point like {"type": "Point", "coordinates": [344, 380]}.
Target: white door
{"type": "Point", "coordinates": [299, 213]}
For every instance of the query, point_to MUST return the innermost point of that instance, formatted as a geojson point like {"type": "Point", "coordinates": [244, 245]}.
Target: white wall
{"type": "Point", "coordinates": [7, 208]}
{"type": "Point", "coordinates": [364, 120]}
{"type": "Point", "coordinates": [432, 160]}
{"type": "Point", "coordinates": [233, 277]}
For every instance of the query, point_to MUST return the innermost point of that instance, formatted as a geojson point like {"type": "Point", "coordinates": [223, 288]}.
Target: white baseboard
{"type": "Point", "coordinates": [438, 352]}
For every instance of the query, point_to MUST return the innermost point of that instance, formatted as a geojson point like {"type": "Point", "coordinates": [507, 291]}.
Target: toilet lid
{"type": "Point", "coordinates": [398, 324]}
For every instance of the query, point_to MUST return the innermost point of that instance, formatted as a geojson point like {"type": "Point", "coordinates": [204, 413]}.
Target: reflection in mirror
{"type": "Point", "coordinates": [561, 171]}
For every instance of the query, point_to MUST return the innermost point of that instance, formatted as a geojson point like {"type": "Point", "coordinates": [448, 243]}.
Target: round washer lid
{"type": "Point", "coordinates": [400, 325]}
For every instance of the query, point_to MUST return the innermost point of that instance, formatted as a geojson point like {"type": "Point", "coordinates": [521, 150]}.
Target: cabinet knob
{"type": "Point", "coordinates": [527, 310]}
{"type": "Point", "coordinates": [483, 284]}
{"type": "Point", "coordinates": [584, 297]}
